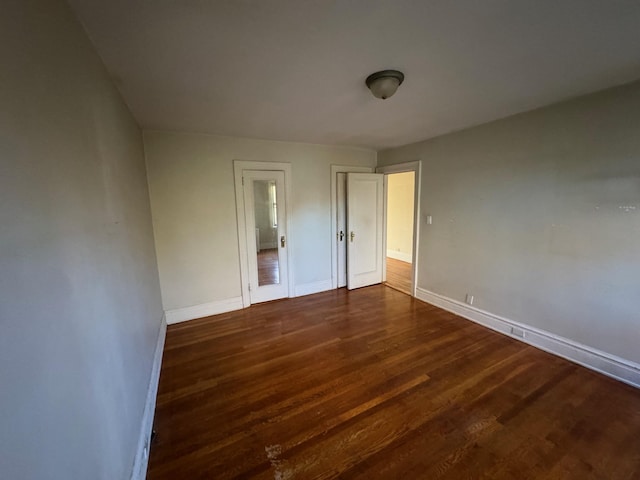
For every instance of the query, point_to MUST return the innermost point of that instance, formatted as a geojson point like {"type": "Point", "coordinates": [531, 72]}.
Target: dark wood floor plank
{"type": "Point", "coordinates": [375, 384]}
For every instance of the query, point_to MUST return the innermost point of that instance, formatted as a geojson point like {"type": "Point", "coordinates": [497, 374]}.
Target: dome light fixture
{"type": "Point", "coordinates": [383, 84]}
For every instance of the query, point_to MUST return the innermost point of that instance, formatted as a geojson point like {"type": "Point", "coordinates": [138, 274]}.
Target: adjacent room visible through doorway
{"type": "Point", "coordinates": [400, 217]}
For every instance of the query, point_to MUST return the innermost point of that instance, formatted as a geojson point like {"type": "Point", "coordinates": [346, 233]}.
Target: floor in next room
{"type": "Point", "coordinates": [399, 275]}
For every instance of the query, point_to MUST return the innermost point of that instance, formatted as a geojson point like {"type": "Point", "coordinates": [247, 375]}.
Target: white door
{"type": "Point", "coordinates": [266, 234]}
{"type": "Point", "coordinates": [365, 255]}
{"type": "Point", "coordinates": [341, 228]}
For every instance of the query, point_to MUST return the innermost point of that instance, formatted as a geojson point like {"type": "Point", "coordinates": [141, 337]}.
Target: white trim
{"type": "Point", "coordinates": [385, 201]}
{"type": "Point", "coordinates": [415, 167]}
{"type": "Point", "coordinates": [313, 287]}
{"type": "Point", "coordinates": [183, 314]}
{"type": "Point", "coordinates": [141, 459]}
{"type": "Point", "coordinates": [335, 169]}
{"type": "Point", "coordinates": [238, 167]}
{"type": "Point", "coordinates": [402, 256]}
{"type": "Point", "coordinates": [619, 368]}
{"type": "Point", "coordinates": [268, 245]}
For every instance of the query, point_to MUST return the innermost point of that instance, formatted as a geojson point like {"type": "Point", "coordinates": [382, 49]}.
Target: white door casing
{"type": "Point", "coordinates": [239, 168]}
{"type": "Point", "coordinates": [415, 167]}
{"type": "Point", "coordinates": [365, 227]}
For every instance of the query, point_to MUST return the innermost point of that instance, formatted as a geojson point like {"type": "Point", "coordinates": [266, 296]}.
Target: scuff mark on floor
{"type": "Point", "coordinates": [280, 470]}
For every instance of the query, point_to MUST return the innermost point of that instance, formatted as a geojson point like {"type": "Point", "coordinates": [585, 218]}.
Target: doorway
{"type": "Point", "coordinates": [339, 221]}
{"type": "Point", "coordinates": [262, 196]}
{"type": "Point", "coordinates": [402, 227]}
{"type": "Point", "coordinates": [359, 241]}
{"type": "Point", "coordinates": [399, 257]}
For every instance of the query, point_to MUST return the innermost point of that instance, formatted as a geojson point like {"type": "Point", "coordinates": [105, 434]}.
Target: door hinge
{"type": "Point", "coordinates": [249, 287]}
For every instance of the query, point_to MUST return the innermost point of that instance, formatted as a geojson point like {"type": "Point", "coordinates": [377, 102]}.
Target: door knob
{"type": "Point", "coordinates": [283, 242]}
{"type": "Point", "coordinates": [341, 235]}
{"type": "Point", "coordinates": [352, 236]}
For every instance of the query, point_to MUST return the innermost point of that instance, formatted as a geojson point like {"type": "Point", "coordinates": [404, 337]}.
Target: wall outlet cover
{"type": "Point", "coordinates": [517, 332]}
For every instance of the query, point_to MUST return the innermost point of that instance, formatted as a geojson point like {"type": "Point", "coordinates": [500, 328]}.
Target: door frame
{"type": "Point", "coordinates": [335, 169]}
{"type": "Point", "coordinates": [238, 167]}
{"type": "Point", "coordinates": [415, 167]}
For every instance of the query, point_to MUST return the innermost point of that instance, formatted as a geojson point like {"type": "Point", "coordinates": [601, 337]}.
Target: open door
{"type": "Point", "coordinates": [365, 204]}
{"type": "Point", "coordinates": [341, 228]}
{"type": "Point", "coordinates": [266, 234]}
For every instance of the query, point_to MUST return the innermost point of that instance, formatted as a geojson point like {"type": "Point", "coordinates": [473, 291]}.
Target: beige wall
{"type": "Point", "coordinates": [400, 198]}
{"type": "Point", "coordinates": [538, 216]}
{"type": "Point", "coordinates": [194, 215]}
{"type": "Point", "coordinates": [80, 307]}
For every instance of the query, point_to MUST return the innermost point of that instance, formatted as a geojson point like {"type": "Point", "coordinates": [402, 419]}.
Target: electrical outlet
{"type": "Point", "coordinates": [469, 299]}
{"type": "Point", "coordinates": [517, 332]}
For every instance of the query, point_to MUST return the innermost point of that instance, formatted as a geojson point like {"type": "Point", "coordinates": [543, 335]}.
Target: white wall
{"type": "Point", "coordinates": [400, 198]}
{"type": "Point", "coordinates": [538, 216]}
{"type": "Point", "coordinates": [80, 306]}
{"type": "Point", "coordinates": [194, 217]}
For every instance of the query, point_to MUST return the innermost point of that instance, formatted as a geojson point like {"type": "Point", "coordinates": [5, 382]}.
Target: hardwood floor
{"type": "Point", "coordinates": [373, 384]}
{"type": "Point", "coordinates": [268, 267]}
{"type": "Point", "coordinates": [399, 275]}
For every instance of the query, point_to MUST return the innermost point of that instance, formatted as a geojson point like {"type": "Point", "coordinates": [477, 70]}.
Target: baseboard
{"type": "Point", "coordinates": [203, 310]}
{"type": "Point", "coordinates": [268, 245]}
{"type": "Point", "coordinates": [619, 368]}
{"type": "Point", "coordinates": [142, 452]}
{"type": "Point", "coordinates": [404, 257]}
{"type": "Point", "coordinates": [313, 287]}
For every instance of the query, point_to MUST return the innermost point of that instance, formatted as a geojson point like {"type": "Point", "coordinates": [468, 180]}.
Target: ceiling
{"type": "Point", "coordinates": [294, 70]}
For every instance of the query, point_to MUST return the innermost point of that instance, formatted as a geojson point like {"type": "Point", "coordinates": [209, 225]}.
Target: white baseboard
{"type": "Point", "coordinates": [619, 368]}
{"type": "Point", "coordinates": [142, 452]}
{"type": "Point", "coordinates": [404, 257]}
{"type": "Point", "coordinates": [268, 245]}
{"type": "Point", "coordinates": [203, 310]}
{"type": "Point", "coordinates": [313, 287]}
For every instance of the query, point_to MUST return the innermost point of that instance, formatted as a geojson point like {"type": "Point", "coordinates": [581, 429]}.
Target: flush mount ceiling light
{"type": "Point", "coordinates": [383, 84]}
